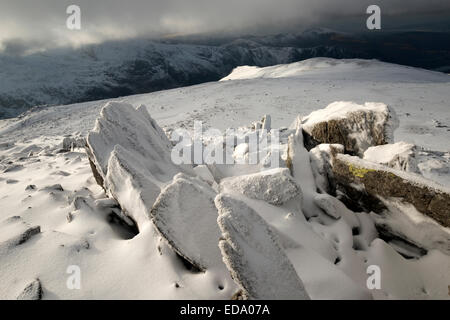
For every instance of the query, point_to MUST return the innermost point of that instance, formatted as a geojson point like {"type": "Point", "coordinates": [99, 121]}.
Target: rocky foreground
{"type": "Point", "coordinates": [255, 223]}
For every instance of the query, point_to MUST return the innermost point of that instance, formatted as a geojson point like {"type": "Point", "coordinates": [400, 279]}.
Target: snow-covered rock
{"type": "Point", "coordinates": [357, 127]}
{"type": "Point", "coordinates": [15, 232]}
{"type": "Point", "coordinates": [186, 217]}
{"type": "Point", "coordinates": [377, 187]}
{"type": "Point", "coordinates": [275, 186]}
{"type": "Point", "coordinates": [134, 130]}
{"type": "Point", "coordinates": [131, 154]}
{"type": "Point", "coordinates": [329, 245]}
{"type": "Point", "coordinates": [70, 143]}
{"type": "Point", "coordinates": [253, 255]}
{"type": "Point", "coordinates": [400, 156]}
{"type": "Point", "coordinates": [33, 291]}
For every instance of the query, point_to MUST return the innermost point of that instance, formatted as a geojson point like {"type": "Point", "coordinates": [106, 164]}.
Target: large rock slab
{"type": "Point", "coordinates": [133, 129]}
{"type": "Point", "coordinates": [357, 127]}
{"type": "Point", "coordinates": [131, 158]}
{"type": "Point", "coordinates": [429, 198]}
{"type": "Point", "coordinates": [404, 205]}
{"type": "Point", "coordinates": [186, 216]}
{"type": "Point", "coordinates": [275, 186]}
{"type": "Point", "coordinates": [252, 253]}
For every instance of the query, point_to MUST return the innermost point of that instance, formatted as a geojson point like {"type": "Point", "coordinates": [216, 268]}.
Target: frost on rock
{"type": "Point", "coordinates": [252, 253]}
{"type": "Point", "coordinates": [404, 156]}
{"type": "Point", "coordinates": [33, 291]}
{"type": "Point", "coordinates": [356, 127]}
{"type": "Point", "coordinates": [134, 130]}
{"type": "Point", "coordinates": [376, 187]}
{"type": "Point", "coordinates": [14, 232]}
{"type": "Point", "coordinates": [400, 156]}
{"type": "Point", "coordinates": [275, 186]}
{"type": "Point", "coordinates": [130, 156]}
{"type": "Point", "coordinates": [186, 216]}
{"type": "Point", "coordinates": [69, 143]}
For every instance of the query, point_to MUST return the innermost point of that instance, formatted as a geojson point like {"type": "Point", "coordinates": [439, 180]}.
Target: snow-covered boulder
{"type": "Point", "coordinates": [275, 186]}
{"type": "Point", "coordinates": [377, 187]}
{"type": "Point", "coordinates": [400, 156]}
{"type": "Point", "coordinates": [252, 253]}
{"type": "Point", "coordinates": [186, 217]}
{"type": "Point", "coordinates": [134, 130]}
{"type": "Point", "coordinates": [133, 186]}
{"type": "Point", "coordinates": [70, 143]}
{"type": "Point", "coordinates": [433, 165]}
{"type": "Point", "coordinates": [357, 127]}
{"type": "Point", "coordinates": [131, 158]}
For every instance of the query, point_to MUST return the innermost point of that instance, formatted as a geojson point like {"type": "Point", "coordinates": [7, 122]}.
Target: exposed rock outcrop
{"type": "Point", "coordinates": [356, 127]}
{"type": "Point", "coordinates": [380, 181]}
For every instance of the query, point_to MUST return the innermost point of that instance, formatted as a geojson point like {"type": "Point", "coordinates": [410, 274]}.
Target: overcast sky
{"type": "Point", "coordinates": [43, 22]}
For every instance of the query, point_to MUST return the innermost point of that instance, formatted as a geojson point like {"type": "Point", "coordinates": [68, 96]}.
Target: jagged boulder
{"type": "Point", "coordinates": [130, 156]}
{"type": "Point", "coordinates": [186, 217]}
{"type": "Point", "coordinates": [275, 186]}
{"type": "Point", "coordinates": [134, 130]}
{"type": "Point", "coordinates": [252, 253]}
{"type": "Point", "coordinates": [356, 127]}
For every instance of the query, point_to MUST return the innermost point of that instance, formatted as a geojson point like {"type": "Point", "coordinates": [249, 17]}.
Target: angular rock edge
{"type": "Point", "coordinates": [33, 291]}
{"type": "Point", "coordinates": [253, 256]}
{"type": "Point", "coordinates": [427, 197]}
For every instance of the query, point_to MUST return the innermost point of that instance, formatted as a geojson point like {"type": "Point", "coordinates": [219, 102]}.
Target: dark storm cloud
{"type": "Point", "coordinates": [42, 23]}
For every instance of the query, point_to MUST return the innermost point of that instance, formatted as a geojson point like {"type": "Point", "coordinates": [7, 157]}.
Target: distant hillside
{"type": "Point", "coordinates": [120, 68]}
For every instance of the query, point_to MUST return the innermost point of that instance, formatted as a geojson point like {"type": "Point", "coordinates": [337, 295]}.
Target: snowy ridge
{"type": "Point", "coordinates": [373, 68]}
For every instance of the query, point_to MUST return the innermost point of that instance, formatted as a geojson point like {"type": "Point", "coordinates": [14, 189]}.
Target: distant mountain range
{"type": "Point", "coordinates": [120, 68]}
